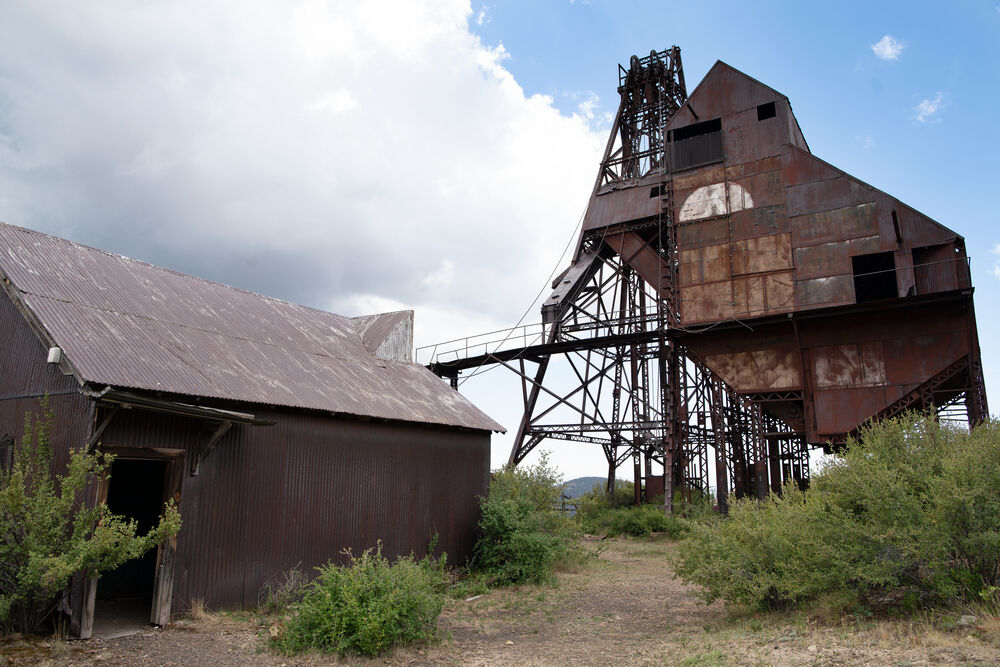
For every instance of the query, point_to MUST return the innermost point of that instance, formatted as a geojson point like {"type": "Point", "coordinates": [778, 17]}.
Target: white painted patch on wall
{"type": "Point", "coordinates": [710, 200]}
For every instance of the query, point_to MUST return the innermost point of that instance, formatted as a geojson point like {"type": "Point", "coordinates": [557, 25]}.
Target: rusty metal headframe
{"type": "Point", "coordinates": [658, 369]}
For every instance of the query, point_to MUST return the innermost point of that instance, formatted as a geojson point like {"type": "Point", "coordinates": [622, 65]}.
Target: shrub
{"type": "Point", "coordinates": [48, 534]}
{"type": "Point", "coordinates": [909, 516]}
{"type": "Point", "coordinates": [523, 535]}
{"type": "Point", "coordinates": [282, 590]}
{"type": "Point", "coordinates": [615, 516]}
{"type": "Point", "coordinates": [367, 605]}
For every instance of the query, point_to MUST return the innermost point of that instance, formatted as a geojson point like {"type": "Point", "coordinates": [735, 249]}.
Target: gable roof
{"type": "Point", "coordinates": [125, 323]}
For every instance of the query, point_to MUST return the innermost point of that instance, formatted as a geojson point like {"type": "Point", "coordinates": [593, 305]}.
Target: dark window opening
{"type": "Point", "coordinates": [765, 111]}
{"type": "Point", "coordinates": [895, 227]}
{"type": "Point", "coordinates": [656, 191]}
{"type": "Point", "coordinates": [874, 277]}
{"type": "Point", "coordinates": [696, 144]}
{"type": "Point", "coordinates": [696, 130]}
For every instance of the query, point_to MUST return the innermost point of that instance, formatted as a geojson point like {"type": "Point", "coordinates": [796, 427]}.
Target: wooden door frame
{"type": "Point", "coordinates": [163, 583]}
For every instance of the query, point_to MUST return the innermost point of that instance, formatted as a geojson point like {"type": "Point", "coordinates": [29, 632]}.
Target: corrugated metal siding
{"type": "Point", "coordinates": [129, 324]}
{"type": "Point", "coordinates": [301, 491]}
{"type": "Point", "coordinates": [26, 376]}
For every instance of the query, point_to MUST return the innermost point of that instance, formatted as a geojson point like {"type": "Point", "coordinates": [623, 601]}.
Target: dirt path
{"type": "Point", "coordinates": [624, 609]}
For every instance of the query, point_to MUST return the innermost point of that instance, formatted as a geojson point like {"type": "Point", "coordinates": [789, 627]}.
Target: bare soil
{"type": "Point", "coordinates": [623, 608]}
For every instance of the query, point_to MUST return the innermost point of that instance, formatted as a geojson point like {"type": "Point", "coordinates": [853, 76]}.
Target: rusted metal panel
{"type": "Point", "coordinates": [622, 205]}
{"type": "Point", "coordinates": [779, 289]}
{"type": "Point", "coordinates": [751, 167]}
{"type": "Point", "coordinates": [849, 365]}
{"type": "Point", "coordinates": [768, 369]}
{"type": "Point", "coordinates": [704, 265]}
{"type": "Point", "coordinates": [829, 291]}
{"type": "Point", "coordinates": [708, 302]}
{"type": "Point", "coordinates": [765, 188]}
{"type": "Point", "coordinates": [762, 253]}
{"type": "Point", "coordinates": [799, 166]}
{"type": "Point", "coordinates": [690, 180]}
{"type": "Point", "coordinates": [915, 355]}
{"type": "Point", "coordinates": [749, 139]}
{"type": "Point", "coordinates": [759, 221]}
{"type": "Point", "coordinates": [841, 410]}
{"type": "Point", "coordinates": [826, 259]}
{"type": "Point", "coordinates": [129, 324]}
{"type": "Point", "coordinates": [854, 221]}
{"type": "Point", "coordinates": [707, 232]}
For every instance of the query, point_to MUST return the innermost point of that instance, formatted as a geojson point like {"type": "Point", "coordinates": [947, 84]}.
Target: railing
{"type": "Point", "coordinates": [485, 343]}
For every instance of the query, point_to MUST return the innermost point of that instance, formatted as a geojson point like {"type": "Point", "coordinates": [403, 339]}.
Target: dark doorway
{"type": "Point", "coordinates": [135, 491]}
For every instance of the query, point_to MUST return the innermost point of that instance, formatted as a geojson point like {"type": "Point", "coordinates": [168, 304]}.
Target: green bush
{"type": "Point", "coordinates": [48, 534]}
{"type": "Point", "coordinates": [523, 535]}
{"type": "Point", "coordinates": [907, 517]}
{"type": "Point", "coordinates": [599, 515]}
{"type": "Point", "coordinates": [367, 605]}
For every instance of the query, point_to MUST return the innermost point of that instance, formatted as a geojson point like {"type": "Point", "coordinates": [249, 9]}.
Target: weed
{"type": "Point", "coordinates": [282, 590]}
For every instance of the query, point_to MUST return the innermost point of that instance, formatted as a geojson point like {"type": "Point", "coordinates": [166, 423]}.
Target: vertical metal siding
{"type": "Point", "coordinates": [299, 492]}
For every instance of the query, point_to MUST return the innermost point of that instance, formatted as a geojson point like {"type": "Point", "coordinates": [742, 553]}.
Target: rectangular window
{"type": "Point", "coordinates": [874, 277]}
{"type": "Point", "coordinates": [700, 143]}
{"type": "Point", "coordinates": [765, 111]}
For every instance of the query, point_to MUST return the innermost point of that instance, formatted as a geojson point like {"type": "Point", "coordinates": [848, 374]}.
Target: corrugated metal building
{"type": "Point", "coordinates": [286, 434]}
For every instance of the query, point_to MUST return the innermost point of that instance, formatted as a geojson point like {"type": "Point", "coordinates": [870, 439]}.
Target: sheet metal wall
{"type": "Point", "coordinates": [26, 376]}
{"type": "Point", "coordinates": [270, 497]}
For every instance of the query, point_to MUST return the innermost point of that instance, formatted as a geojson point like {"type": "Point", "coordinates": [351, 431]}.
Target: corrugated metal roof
{"type": "Point", "coordinates": [125, 323]}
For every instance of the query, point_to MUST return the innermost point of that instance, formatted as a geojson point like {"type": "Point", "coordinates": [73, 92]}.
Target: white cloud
{"type": "Point", "coordinates": [483, 16]}
{"type": "Point", "coordinates": [351, 156]}
{"type": "Point", "coordinates": [888, 48]}
{"type": "Point", "coordinates": [928, 108]}
{"type": "Point", "coordinates": [996, 263]}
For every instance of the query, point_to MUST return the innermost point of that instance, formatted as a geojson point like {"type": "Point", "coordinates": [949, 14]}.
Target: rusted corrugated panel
{"type": "Point", "coordinates": [129, 324]}
{"type": "Point", "coordinates": [748, 139]}
{"type": "Point", "coordinates": [299, 492]}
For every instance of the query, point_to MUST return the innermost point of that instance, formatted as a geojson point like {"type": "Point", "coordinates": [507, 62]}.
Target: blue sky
{"type": "Point", "coordinates": [436, 154]}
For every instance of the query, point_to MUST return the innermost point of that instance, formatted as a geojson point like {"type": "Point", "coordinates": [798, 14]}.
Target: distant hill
{"type": "Point", "coordinates": [579, 486]}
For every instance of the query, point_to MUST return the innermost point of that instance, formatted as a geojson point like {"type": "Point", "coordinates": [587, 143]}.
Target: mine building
{"type": "Point", "coordinates": [734, 301]}
{"type": "Point", "coordinates": [285, 434]}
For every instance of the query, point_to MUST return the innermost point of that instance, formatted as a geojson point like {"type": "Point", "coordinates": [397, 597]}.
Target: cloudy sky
{"type": "Point", "coordinates": [365, 156]}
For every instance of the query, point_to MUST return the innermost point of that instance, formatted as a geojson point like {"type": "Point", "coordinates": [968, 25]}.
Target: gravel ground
{"type": "Point", "coordinates": [623, 609]}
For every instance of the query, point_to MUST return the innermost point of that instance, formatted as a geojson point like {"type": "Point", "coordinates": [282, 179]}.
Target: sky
{"type": "Point", "coordinates": [368, 156]}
